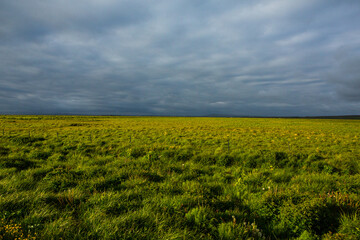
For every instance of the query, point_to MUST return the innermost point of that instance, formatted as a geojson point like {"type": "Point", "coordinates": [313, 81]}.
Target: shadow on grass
{"type": "Point", "coordinates": [26, 140]}
{"type": "Point", "coordinates": [18, 163]}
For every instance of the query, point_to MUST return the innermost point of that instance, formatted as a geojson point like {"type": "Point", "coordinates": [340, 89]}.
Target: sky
{"type": "Point", "coordinates": [180, 57]}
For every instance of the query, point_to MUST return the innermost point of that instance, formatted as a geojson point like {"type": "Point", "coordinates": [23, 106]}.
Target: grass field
{"type": "Point", "coordinates": [82, 177]}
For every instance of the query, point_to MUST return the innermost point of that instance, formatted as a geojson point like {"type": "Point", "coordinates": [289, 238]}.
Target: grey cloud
{"type": "Point", "coordinates": [33, 20]}
{"type": "Point", "coordinates": [346, 74]}
{"type": "Point", "coordinates": [180, 57]}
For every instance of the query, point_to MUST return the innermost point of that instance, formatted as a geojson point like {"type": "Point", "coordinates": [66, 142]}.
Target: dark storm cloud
{"type": "Point", "coordinates": [180, 57]}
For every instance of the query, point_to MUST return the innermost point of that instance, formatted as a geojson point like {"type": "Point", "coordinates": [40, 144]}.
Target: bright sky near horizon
{"type": "Point", "coordinates": [180, 57]}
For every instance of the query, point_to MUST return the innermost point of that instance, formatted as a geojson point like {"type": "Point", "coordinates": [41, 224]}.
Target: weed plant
{"type": "Point", "coordinates": [83, 177]}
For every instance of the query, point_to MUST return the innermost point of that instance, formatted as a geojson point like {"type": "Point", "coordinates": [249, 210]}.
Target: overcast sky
{"type": "Point", "coordinates": [180, 57]}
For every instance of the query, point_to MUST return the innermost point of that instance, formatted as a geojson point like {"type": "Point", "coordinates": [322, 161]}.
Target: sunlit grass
{"type": "Point", "coordinates": [79, 177]}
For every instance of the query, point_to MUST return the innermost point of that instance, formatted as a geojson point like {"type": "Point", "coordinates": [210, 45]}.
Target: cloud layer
{"type": "Point", "coordinates": [188, 57]}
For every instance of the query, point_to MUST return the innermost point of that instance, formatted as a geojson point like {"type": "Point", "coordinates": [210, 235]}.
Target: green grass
{"type": "Point", "coordinates": [83, 177]}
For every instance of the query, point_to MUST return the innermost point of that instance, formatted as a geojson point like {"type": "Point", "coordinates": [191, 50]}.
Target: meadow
{"type": "Point", "coordinates": [85, 177]}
